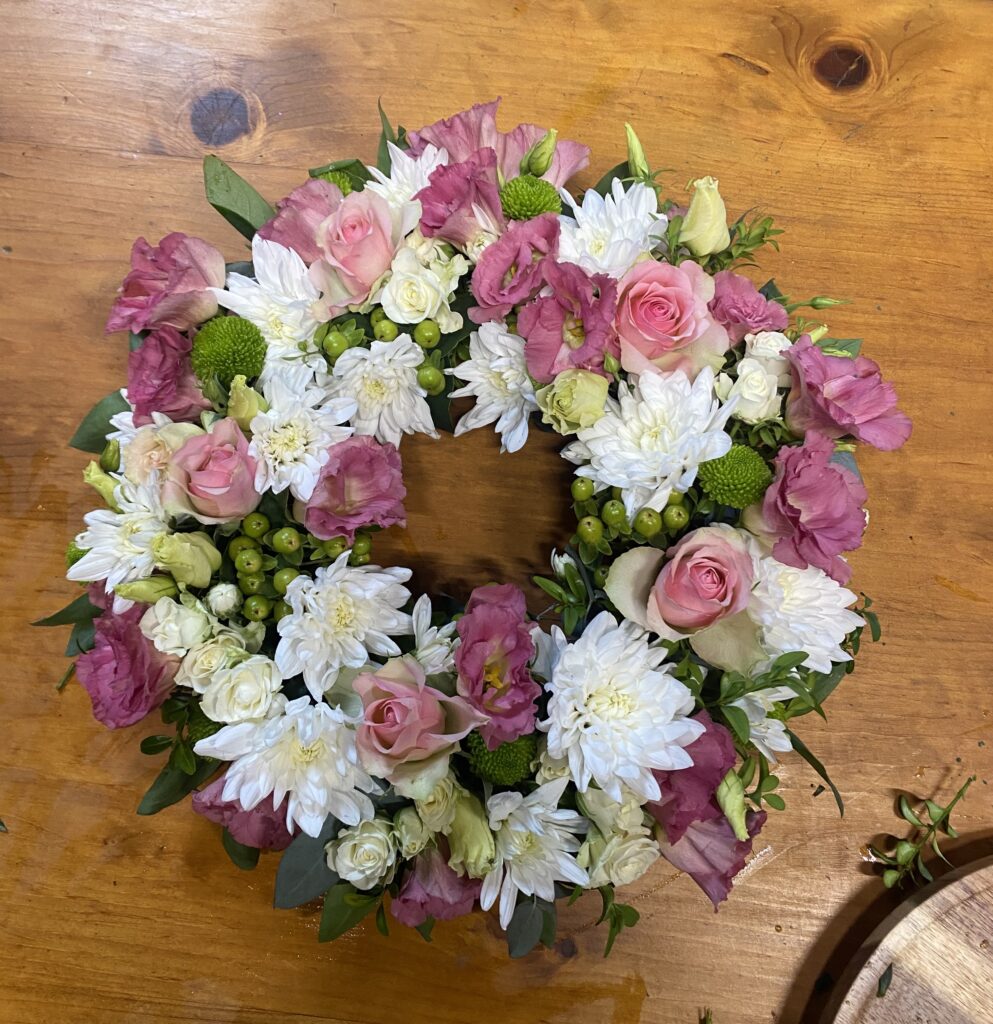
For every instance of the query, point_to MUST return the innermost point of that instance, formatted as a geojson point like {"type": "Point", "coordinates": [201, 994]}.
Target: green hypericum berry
{"type": "Point", "coordinates": [241, 543]}
{"type": "Point", "coordinates": [279, 609]}
{"type": "Point", "coordinates": [590, 530]}
{"type": "Point", "coordinates": [286, 541]}
{"type": "Point", "coordinates": [648, 522]}
{"type": "Point", "coordinates": [74, 553]}
{"type": "Point", "coordinates": [255, 524]}
{"type": "Point", "coordinates": [335, 547]}
{"type": "Point", "coordinates": [377, 315]}
{"type": "Point", "coordinates": [582, 489]}
{"type": "Point", "coordinates": [431, 379]}
{"type": "Point", "coordinates": [200, 726]}
{"type": "Point", "coordinates": [256, 608]}
{"type": "Point", "coordinates": [251, 583]}
{"type": "Point", "coordinates": [600, 576]}
{"type": "Point", "coordinates": [509, 764]}
{"type": "Point", "coordinates": [225, 347]}
{"type": "Point", "coordinates": [527, 196]}
{"type": "Point", "coordinates": [362, 544]}
{"type": "Point", "coordinates": [675, 517]}
{"type": "Point", "coordinates": [427, 334]}
{"type": "Point", "coordinates": [675, 498]}
{"type": "Point", "coordinates": [737, 479]}
{"type": "Point", "coordinates": [358, 559]}
{"type": "Point", "coordinates": [284, 578]}
{"type": "Point", "coordinates": [339, 178]}
{"type": "Point", "coordinates": [385, 330]}
{"type": "Point", "coordinates": [335, 344]}
{"type": "Point", "coordinates": [613, 513]}
{"type": "Point", "coordinates": [248, 561]}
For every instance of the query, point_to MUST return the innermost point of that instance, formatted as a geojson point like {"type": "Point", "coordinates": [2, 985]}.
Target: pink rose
{"type": "Point", "coordinates": [263, 827]}
{"type": "Point", "coordinates": [573, 327]}
{"type": "Point", "coordinates": [408, 723]}
{"type": "Point", "coordinates": [169, 283]}
{"type": "Point", "coordinates": [361, 484]}
{"type": "Point", "coordinates": [663, 321]}
{"type": "Point", "coordinates": [492, 662]}
{"type": "Point", "coordinates": [212, 476]}
{"type": "Point", "coordinates": [708, 577]}
{"type": "Point", "coordinates": [509, 269]}
{"type": "Point", "coordinates": [837, 396]}
{"type": "Point", "coordinates": [740, 307]}
{"type": "Point", "coordinates": [433, 889]}
{"type": "Point", "coordinates": [299, 216]}
{"type": "Point", "coordinates": [814, 508]}
{"type": "Point", "coordinates": [160, 379]}
{"type": "Point", "coordinates": [125, 676]}
{"type": "Point", "coordinates": [457, 196]}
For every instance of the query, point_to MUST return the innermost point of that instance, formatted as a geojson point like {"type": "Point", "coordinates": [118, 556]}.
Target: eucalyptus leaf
{"type": "Point", "coordinates": [233, 198]}
{"type": "Point", "coordinates": [80, 610]}
{"type": "Point", "coordinates": [344, 908]}
{"type": "Point", "coordinates": [172, 785]}
{"type": "Point", "coordinates": [91, 434]}
{"type": "Point", "coordinates": [242, 856]}
{"type": "Point", "coordinates": [303, 872]}
{"type": "Point", "coordinates": [525, 928]}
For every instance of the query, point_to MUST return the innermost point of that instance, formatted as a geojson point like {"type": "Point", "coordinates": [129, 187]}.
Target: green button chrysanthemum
{"type": "Point", "coordinates": [527, 196]}
{"type": "Point", "coordinates": [226, 347]}
{"type": "Point", "coordinates": [737, 479]}
{"type": "Point", "coordinates": [505, 766]}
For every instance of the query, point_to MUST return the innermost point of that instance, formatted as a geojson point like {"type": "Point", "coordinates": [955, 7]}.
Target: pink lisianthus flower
{"type": "Point", "coordinates": [160, 379]}
{"type": "Point", "coordinates": [814, 508]}
{"type": "Point", "coordinates": [465, 133]}
{"type": "Point", "coordinates": [299, 216]}
{"type": "Point", "coordinates": [361, 484]}
{"type": "Point", "coordinates": [492, 662]}
{"type": "Point", "coordinates": [573, 327]}
{"type": "Point", "coordinates": [169, 284]}
{"type": "Point", "coordinates": [461, 202]}
{"type": "Point", "coordinates": [263, 827]}
{"type": "Point", "coordinates": [663, 321]}
{"type": "Point", "coordinates": [509, 270]}
{"type": "Point", "coordinates": [409, 729]}
{"type": "Point", "coordinates": [837, 395]}
{"type": "Point", "coordinates": [212, 476]}
{"type": "Point", "coordinates": [742, 309]}
{"type": "Point", "coordinates": [125, 676]}
{"type": "Point", "coordinates": [433, 889]}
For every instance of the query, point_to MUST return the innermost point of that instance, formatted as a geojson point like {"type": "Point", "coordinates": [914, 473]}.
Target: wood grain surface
{"type": "Point", "coordinates": [867, 129]}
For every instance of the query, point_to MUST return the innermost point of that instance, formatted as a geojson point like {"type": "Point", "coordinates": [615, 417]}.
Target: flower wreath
{"type": "Point", "coordinates": [450, 761]}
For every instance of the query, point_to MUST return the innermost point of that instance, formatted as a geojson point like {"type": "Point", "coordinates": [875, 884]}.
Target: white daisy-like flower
{"type": "Point", "coordinates": [308, 753]}
{"type": "Point", "coordinates": [382, 379]}
{"type": "Point", "coordinates": [616, 712]}
{"type": "Point", "coordinates": [536, 846]}
{"type": "Point", "coordinates": [433, 644]}
{"type": "Point", "coordinates": [497, 377]}
{"type": "Point", "coordinates": [408, 175]}
{"type": "Point", "coordinates": [281, 301]}
{"type": "Point", "coordinates": [291, 440]}
{"type": "Point", "coordinates": [609, 234]}
{"type": "Point", "coordinates": [651, 442]}
{"type": "Point", "coordinates": [338, 618]}
{"type": "Point", "coordinates": [768, 734]}
{"type": "Point", "coordinates": [802, 610]}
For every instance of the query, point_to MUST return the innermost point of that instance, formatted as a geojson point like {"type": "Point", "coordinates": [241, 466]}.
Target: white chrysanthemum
{"type": "Point", "coordinates": [497, 376]}
{"type": "Point", "coordinates": [308, 752]}
{"type": "Point", "coordinates": [408, 175]}
{"type": "Point", "coordinates": [616, 713]}
{"type": "Point", "coordinates": [768, 734]}
{"type": "Point", "coordinates": [338, 618]}
{"type": "Point", "coordinates": [802, 610]}
{"type": "Point", "coordinates": [291, 440]}
{"type": "Point", "coordinates": [609, 234]}
{"type": "Point", "coordinates": [651, 442]}
{"type": "Point", "coordinates": [433, 644]}
{"type": "Point", "coordinates": [536, 847]}
{"type": "Point", "coordinates": [281, 301]}
{"type": "Point", "coordinates": [382, 379]}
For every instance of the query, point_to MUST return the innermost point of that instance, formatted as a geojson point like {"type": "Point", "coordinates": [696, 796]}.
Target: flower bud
{"type": "Point", "coordinates": [825, 302]}
{"type": "Point", "coordinates": [412, 836]}
{"type": "Point", "coordinates": [191, 558]}
{"type": "Point", "coordinates": [244, 403]}
{"type": "Point", "coordinates": [473, 851]}
{"type": "Point", "coordinates": [364, 855]}
{"type": "Point", "coordinates": [731, 799]}
{"type": "Point", "coordinates": [110, 457]}
{"type": "Point", "coordinates": [705, 228]}
{"type": "Point", "coordinates": [817, 332]}
{"type": "Point", "coordinates": [538, 158]}
{"type": "Point", "coordinates": [438, 809]}
{"type": "Point", "coordinates": [103, 483]}
{"type": "Point", "coordinates": [610, 363]}
{"type": "Point", "coordinates": [575, 399]}
{"type": "Point", "coordinates": [637, 162]}
{"type": "Point", "coordinates": [148, 590]}
{"type": "Point", "coordinates": [223, 600]}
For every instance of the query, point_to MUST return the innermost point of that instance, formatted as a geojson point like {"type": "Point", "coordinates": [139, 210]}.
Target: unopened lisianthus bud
{"type": "Point", "coordinates": [637, 162]}
{"type": "Point", "coordinates": [538, 158]}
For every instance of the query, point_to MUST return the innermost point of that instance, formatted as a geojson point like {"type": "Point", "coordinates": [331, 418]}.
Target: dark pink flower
{"type": "Point", "coordinates": [361, 484]}
{"type": "Point", "coordinates": [573, 327]}
{"type": "Point", "coordinates": [837, 396]}
{"type": "Point", "coordinates": [263, 827]}
{"type": "Point", "coordinates": [433, 889]}
{"type": "Point", "coordinates": [299, 216]}
{"type": "Point", "coordinates": [711, 855]}
{"type": "Point", "coordinates": [492, 662]}
{"type": "Point", "coordinates": [160, 379]}
{"type": "Point", "coordinates": [465, 133]}
{"type": "Point", "coordinates": [741, 308]}
{"type": "Point", "coordinates": [457, 195]}
{"type": "Point", "coordinates": [814, 508]}
{"type": "Point", "coordinates": [509, 270]}
{"type": "Point", "coordinates": [125, 676]}
{"type": "Point", "coordinates": [688, 794]}
{"type": "Point", "coordinates": [169, 283]}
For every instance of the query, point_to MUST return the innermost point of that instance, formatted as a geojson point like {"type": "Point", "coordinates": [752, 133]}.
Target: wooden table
{"type": "Point", "coordinates": [867, 129]}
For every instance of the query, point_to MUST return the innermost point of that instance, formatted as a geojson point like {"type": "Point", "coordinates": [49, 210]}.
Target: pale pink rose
{"type": "Point", "coordinates": [160, 379]}
{"type": "Point", "coordinates": [663, 321]}
{"type": "Point", "coordinates": [212, 476]}
{"type": "Point", "coordinates": [169, 284]}
{"type": "Point", "coordinates": [433, 889]}
{"type": "Point", "coordinates": [299, 216]}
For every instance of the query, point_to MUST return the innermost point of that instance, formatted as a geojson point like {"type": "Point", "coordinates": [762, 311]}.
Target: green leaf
{"type": "Point", "coordinates": [183, 757]}
{"type": "Point", "coordinates": [233, 198]}
{"type": "Point", "coordinates": [80, 610]}
{"type": "Point", "coordinates": [738, 721]}
{"type": "Point", "coordinates": [353, 168]}
{"type": "Point", "coordinates": [607, 896]}
{"type": "Point", "coordinates": [775, 801]}
{"type": "Point", "coordinates": [553, 590]}
{"type": "Point", "coordinates": [135, 340]}
{"type": "Point", "coordinates": [66, 676]}
{"type": "Point", "coordinates": [770, 290]}
{"type": "Point", "coordinates": [907, 812]}
{"type": "Point", "coordinates": [525, 928]}
{"type": "Point", "coordinates": [172, 785]}
{"type": "Point", "coordinates": [425, 928]}
{"type": "Point", "coordinates": [621, 170]}
{"type": "Point", "coordinates": [381, 924]}
{"type": "Point", "coordinates": [242, 856]}
{"type": "Point", "coordinates": [792, 659]}
{"type": "Point", "coordinates": [3, 827]}
{"type": "Point", "coordinates": [549, 922]}
{"type": "Point", "coordinates": [890, 877]}
{"type": "Point", "coordinates": [383, 161]}
{"type": "Point", "coordinates": [155, 744]}
{"type": "Point", "coordinates": [885, 979]}
{"type": "Point", "coordinates": [872, 619]}
{"type": "Point", "coordinates": [847, 346]}
{"type": "Point", "coordinates": [91, 434]}
{"type": "Point", "coordinates": [923, 869]}
{"type": "Point", "coordinates": [801, 748]}
{"type": "Point", "coordinates": [344, 908]}
{"type": "Point", "coordinates": [81, 639]}
{"type": "Point", "coordinates": [905, 852]}
{"type": "Point", "coordinates": [576, 893]}
{"type": "Point", "coordinates": [303, 872]}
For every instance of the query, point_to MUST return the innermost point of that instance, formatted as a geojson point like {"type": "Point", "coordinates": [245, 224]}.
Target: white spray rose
{"type": "Point", "coordinates": [437, 810]}
{"type": "Point", "coordinates": [365, 854]}
{"type": "Point", "coordinates": [152, 446]}
{"type": "Point", "coordinates": [205, 660]}
{"type": "Point", "coordinates": [610, 816]}
{"type": "Point", "coordinates": [412, 836]}
{"type": "Point", "coordinates": [705, 227]}
{"type": "Point", "coordinates": [175, 628]}
{"type": "Point", "coordinates": [223, 599]}
{"type": "Point", "coordinates": [619, 860]}
{"type": "Point", "coordinates": [755, 389]}
{"type": "Point", "coordinates": [242, 691]}
{"type": "Point", "coordinates": [413, 293]}
{"type": "Point", "coordinates": [767, 348]}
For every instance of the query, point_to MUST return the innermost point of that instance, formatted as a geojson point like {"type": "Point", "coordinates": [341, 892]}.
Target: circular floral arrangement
{"type": "Point", "coordinates": [417, 761]}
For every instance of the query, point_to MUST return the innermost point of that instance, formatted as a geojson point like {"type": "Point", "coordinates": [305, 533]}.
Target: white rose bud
{"type": "Point", "coordinates": [175, 628]}
{"type": "Point", "coordinates": [767, 348]}
{"type": "Point", "coordinates": [242, 691]}
{"type": "Point", "coordinates": [610, 816]}
{"type": "Point", "coordinates": [205, 660]}
{"type": "Point", "coordinates": [364, 855]}
{"type": "Point", "coordinates": [705, 227]}
{"type": "Point", "coordinates": [413, 293]}
{"type": "Point", "coordinates": [223, 600]}
{"type": "Point", "coordinates": [550, 768]}
{"type": "Point", "coordinates": [412, 836]}
{"type": "Point", "coordinates": [626, 858]}
{"type": "Point", "coordinates": [437, 810]}
{"type": "Point", "coordinates": [755, 389]}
